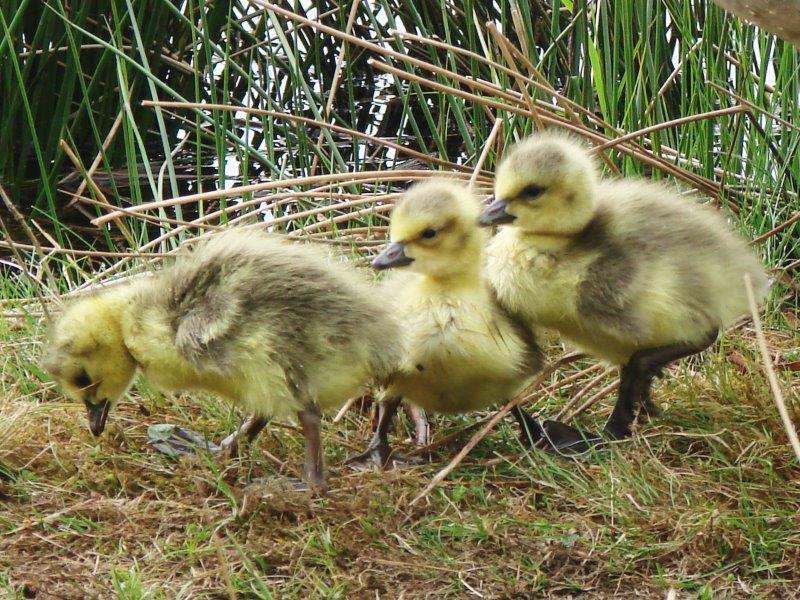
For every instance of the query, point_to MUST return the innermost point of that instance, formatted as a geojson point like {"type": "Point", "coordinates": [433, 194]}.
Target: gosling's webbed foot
{"type": "Point", "coordinates": [279, 485]}
{"type": "Point", "coordinates": [176, 441]}
{"type": "Point", "coordinates": [376, 455]}
{"type": "Point", "coordinates": [380, 456]}
{"type": "Point", "coordinates": [569, 441]}
{"type": "Point", "coordinates": [401, 461]}
{"type": "Point", "coordinates": [316, 487]}
{"type": "Point", "coordinates": [530, 430]}
{"type": "Point", "coordinates": [555, 437]}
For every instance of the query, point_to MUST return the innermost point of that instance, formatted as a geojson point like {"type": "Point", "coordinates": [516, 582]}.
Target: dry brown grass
{"type": "Point", "coordinates": [705, 501]}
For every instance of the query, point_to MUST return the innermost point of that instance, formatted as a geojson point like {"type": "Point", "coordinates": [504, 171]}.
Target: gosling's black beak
{"type": "Point", "coordinates": [495, 214]}
{"type": "Point", "coordinates": [394, 255]}
{"type": "Point", "coordinates": [97, 413]}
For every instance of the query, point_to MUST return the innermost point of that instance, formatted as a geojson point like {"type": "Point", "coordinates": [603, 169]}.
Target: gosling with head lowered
{"type": "Point", "coordinates": [628, 270]}
{"type": "Point", "coordinates": [281, 329]}
{"type": "Point", "coordinates": [463, 353]}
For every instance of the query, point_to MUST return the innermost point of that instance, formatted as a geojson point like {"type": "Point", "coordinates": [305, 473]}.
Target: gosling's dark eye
{"type": "Point", "coordinates": [83, 380]}
{"type": "Point", "coordinates": [429, 233]}
{"type": "Point", "coordinates": [532, 190]}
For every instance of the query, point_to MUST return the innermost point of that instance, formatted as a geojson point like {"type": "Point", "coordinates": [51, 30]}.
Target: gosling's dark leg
{"type": "Point", "coordinates": [653, 362]}
{"type": "Point", "coordinates": [618, 425]}
{"type": "Point", "coordinates": [252, 426]}
{"type": "Point", "coordinates": [642, 368]}
{"type": "Point", "coordinates": [421, 427]}
{"type": "Point", "coordinates": [378, 451]}
{"type": "Point", "coordinates": [647, 408]}
{"type": "Point", "coordinates": [566, 439]}
{"type": "Point", "coordinates": [314, 472]}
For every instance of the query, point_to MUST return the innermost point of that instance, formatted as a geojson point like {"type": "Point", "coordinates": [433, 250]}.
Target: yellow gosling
{"type": "Point", "coordinates": [628, 270]}
{"type": "Point", "coordinates": [463, 352]}
{"type": "Point", "coordinates": [278, 328]}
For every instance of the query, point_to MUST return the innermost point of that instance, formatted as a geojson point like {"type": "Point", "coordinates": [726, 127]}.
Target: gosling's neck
{"type": "Point", "coordinates": [557, 239]}
{"type": "Point", "coordinates": [132, 302]}
{"type": "Point", "coordinates": [545, 241]}
{"type": "Point", "coordinates": [464, 273]}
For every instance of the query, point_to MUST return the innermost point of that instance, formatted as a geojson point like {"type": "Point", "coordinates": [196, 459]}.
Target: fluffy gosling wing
{"type": "Point", "coordinates": [205, 313]}
{"type": "Point", "coordinates": [241, 292]}
{"type": "Point", "coordinates": [604, 295]}
{"type": "Point", "coordinates": [533, 357]}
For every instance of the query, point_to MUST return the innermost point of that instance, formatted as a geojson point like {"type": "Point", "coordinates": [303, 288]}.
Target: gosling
{"type": "Point", "coordinates": [277, 328]}
{"type": "Point", "coordinates": [463, 353]}
{"type": "Point", "coordinates": [627, 270]}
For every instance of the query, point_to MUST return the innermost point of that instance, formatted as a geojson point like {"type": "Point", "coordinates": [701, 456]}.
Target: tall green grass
{"type": "Point", "coordinates": [70, 72]}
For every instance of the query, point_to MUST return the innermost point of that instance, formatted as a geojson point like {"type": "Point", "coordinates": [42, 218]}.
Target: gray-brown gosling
{"type": "Point", "coordinates": [629, 271]}
{"type": "Point", "coordinates": [463, 353]}
{"type": "Point", "coordinates": [280, 329]}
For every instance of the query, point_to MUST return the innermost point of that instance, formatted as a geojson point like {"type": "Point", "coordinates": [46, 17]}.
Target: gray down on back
{"type": "Point", "coordinates": [240, 283]}
{"type": "Point", "coordinates": [639, 225]}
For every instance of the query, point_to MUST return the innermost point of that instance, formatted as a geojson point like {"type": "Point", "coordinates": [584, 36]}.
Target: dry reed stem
{"type": "Point", "coordinates": [594, 382]}
{"type": "Point", "coordinates": [273, 201]}
{"type": "Point", "coordinates": [515, 108]}
{"type": "Point", "coordinates": [569, 106]}
{"type": "Point", "coordinates": [672, 76]}
{"type": "Point", "coordinates": [347, 406]}
{"type": "Point", "coordinates": [404, 58]}
{"type": "Point", "coordinates": [775, 230]}
{"type": "Point", "coordinates": [277, 200]}
{"type": "Point", "coordinates": [340, 178]}
{"type": "Point", "coordinates": [751, 106]}
{"type": "Point", "coordinates": [516, 19]}
{"type": "Point", "coordinates": [496, 128]}
{"type": "Point", "coordinates": [76, 162]}
{"type": "Point", "coordinates": [701, 183]}
{"type": "Point", "coordinates": [791, 432]}
{"type": "Point", "coordinates": [523, 58]}
{"type": "Point", "coordinates": [156, 220]}
{"type": "Point", "coordinates": [262, 112]}
{"type": "Point", "coordinates": [355, 201]}
{"type": "Point", "coordinates": [328, 224]}
{"type": "Point", "coordinates": [73, 262]}
{"type": "Point", "coordinates": [594, 399]}
{"type": "Point", "coordinates": [503, 44]}
{"type": "Point", "coordinates": [37, 285]}
{"type": "Point", "coordinates": [562, 101]}
{"type": "Point", "coordinates": [88, 253]}
{"type": "Point", "coordinates": [667, 124]}
{"type": "Point", "coordinates": [334, 87]}
{"type": "Point", "coordinates": [570, 379]}
{"type": "Point", "coordinates": [99, 157]}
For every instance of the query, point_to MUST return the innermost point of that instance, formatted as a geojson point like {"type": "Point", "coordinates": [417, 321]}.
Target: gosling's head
{"type": "Point", "coordinates": [86, 355]}
{"type": "Point", "coordinates": [544, 185]}
{"type": "Point", "coordinates": [433, 231]}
